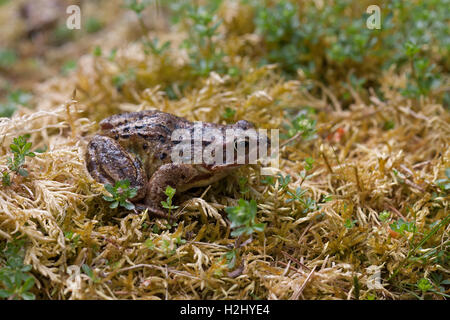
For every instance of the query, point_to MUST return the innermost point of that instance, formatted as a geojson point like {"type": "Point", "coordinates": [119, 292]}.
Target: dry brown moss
{"type": "Point", "coordinates": [306, 256]}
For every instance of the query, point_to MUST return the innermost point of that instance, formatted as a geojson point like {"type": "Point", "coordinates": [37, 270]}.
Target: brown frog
{"type": "Point", "coordinates": [138, 146]}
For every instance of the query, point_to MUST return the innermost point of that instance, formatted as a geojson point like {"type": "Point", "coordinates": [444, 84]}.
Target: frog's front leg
{"type": "Point", "coordinates": [108, 162]}
{"type": "Point", "coordinates": [178, 176]}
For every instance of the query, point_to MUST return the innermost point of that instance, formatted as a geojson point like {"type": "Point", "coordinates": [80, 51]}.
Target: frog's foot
{"type": "Point", "coordinates": [108, 162]}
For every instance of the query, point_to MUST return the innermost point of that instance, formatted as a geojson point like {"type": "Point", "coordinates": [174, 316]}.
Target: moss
{"type": "Point", "coordinates": [316, 240]}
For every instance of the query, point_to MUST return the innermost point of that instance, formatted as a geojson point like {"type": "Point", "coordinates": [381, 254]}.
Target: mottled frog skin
{"type": "Point", "coordinates": [137, 146]}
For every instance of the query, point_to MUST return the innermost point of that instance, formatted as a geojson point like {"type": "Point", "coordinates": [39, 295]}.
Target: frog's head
{"type": "Point", "coordinates": [240, 144]}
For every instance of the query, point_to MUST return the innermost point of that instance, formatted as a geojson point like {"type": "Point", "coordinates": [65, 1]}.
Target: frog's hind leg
{"type": "Point", "coordinates": [108, 162]}
{"type": "Point", "coordinates": [175, 175]}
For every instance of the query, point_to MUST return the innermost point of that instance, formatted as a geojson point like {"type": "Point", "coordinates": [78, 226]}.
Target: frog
{"type": "Point", "coordinates": [138, 146]}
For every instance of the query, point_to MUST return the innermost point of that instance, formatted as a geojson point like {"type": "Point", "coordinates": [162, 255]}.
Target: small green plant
{"type": "Point", "coordinates": [297, 196]}
{"type": "Point", "coordinates": [170, 192]}
{"type": "Point", "coordinates": [439, 282]}
{"type": "Point", "coordinates": [384, 216]}
{"type": "Point", "coordinates": [112, 54]}
{"type": "Point", "coordinates": [152, 46]}
{"type": "Point", "coordinates": [61, 34]}
{"type": "Point", "coordinates": [68, 67]}
{"type": "Point", "coordinates": [325, 198]}
{"type": "Point", "coordinates": [90, 273]}
{"type": "Point", "coordinates": [14, 274]}
{"type": "Point", "coordinates": [243, 185]}
{"type": "Point", "coordinates": [120, 192]}
{"type": "Point", "coordinates": [123, 78]}
{"type": "Point", "coordinates": [170, 246]}
{"type": "Point", "coordinates": [93, 25]}
{"type": "Point", "coordinates": [138, 6]}
{"type": "Point", "coordinates": [270, 180]}
{"type": "Point", "coordinates": [6, 178]}
{"type": "Point", "coordinates": [149, 244]}
{"type": "Point", "coordinates": [73, 238]}
{"type": "Point", "coordinates": [20, 97]}
{"type": "Point", "coordinates": [308, 203]}
{"type": "Point", "coordinates": [400, 226]}
{"type": "Point", "coordinates": [231, 257]}
{"type": "Point", "coordinates": [7, 109]}
{"type": "Point", "coordinates": [7, 58]}
{"type": "Point", "coordinates": [21, 149]}
{"type": "Point", "coordinates": [97, 52]}
{"type": "Point", "coordinates": [13, 100]}
{"type": "Point", "coordinates": [388, 125]}
{"type": "Point", "coordinates": [283, 182]}
{"type": "Point", "coordinates": [349, 223]}
{"type": "Point", "coordinates": [371, 296]}
{"type": "Point", "coordinates": [243, 218]}
{"type": "Point", "coordinates": [424, 285]}
{"type": "Point", "coordinates": [229, 113]}
{"type": "Point", "coordinates": [302, 125]}
{"type": "Point", "coordinates": [204, 52]}
{"type": "Point", "coordinates": [444, 184]}
{"type": "Point", "coordinates": [423, 77]}
{"type": "Point", "coordinates": [307, 167]}
{"type": "Point", "coordinates": [180, 241]}
{"type": "Point", "coordinates": [309, 163]}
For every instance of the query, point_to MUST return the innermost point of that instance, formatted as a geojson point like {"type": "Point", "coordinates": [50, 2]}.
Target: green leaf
{"type": "Point", "coordinates": [259, 227]}
{"type": "Point", "coordinates": [349, 223]}
{"type": "Point", "coordinates": [170, 192]}
{"type": "Point", "coordinates": [87, 270]}
{"type": "Point", "coordinates": [23, 172]}
{"type": "Point", "coordinates": [28, 296]}
{"type": "Point", "coordinates": [29, 283]}
{"type": "Point", "coordinates": [238, 232]}
{"type": "Point", "coordinates": [110, 189]}
{"type": "Point", "coordinates": [424, 285]}
{"type": "Point", "coordinates": [14, 148]}
{"type": "Point", "coordinates": [7, 58]}
{"type": "Point", "coordinates": [128, 205]}
{"type": "Point", "coordinates": [26, 268]}
{"type": "Point", "coordinates": [68, 66]}
{"type": "Point", "coordinates": [26, 147]}
{"type": "Point", "coordinates": [149, 244]}
{"type": "Point", "coordinates": [165, 205]}
{"type": "Point", "coordinates": [114, 205]}
{"type": "Point", "coordinates": [384, 216]}
{"type": "Point", "coordinates": [4, 294]}
{"type": "Point", "coordinates": [7, 109]}
{"type": "Point", "coordinates": [132, 193]}
{"type": "Point", "coordinates": [93, 25]}
{"type": "Point", "coordinates": [41, 150]}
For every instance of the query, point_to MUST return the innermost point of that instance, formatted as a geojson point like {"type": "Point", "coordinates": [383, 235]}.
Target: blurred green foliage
{"type": "Point", "coordinates": [15, 278]}
{"type": "Point", "coordinates": [14, 99]}
{"type": "Point", "coordinates": [331, 42]}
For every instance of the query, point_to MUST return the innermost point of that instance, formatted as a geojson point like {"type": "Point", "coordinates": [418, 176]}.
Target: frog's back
{"type": "Point", "coordinates": [145, 133]}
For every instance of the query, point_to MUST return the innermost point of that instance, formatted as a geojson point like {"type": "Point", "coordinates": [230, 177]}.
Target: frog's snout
{"type": "Point", "coordinates": [244, 125]}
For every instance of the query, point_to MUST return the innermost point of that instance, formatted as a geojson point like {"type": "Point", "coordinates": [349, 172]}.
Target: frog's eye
{"type": "Point", "coordinates": [239, 142]}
